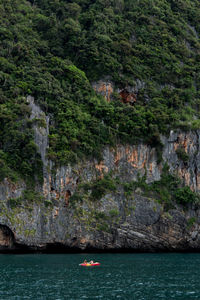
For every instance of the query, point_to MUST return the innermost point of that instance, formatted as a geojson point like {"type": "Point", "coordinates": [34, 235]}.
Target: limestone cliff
{"type": "Point", "coordinates": [115, 220]}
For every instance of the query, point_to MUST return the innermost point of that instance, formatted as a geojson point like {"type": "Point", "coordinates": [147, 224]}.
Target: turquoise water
{"type": "Point", "coordinates": [120, 276]}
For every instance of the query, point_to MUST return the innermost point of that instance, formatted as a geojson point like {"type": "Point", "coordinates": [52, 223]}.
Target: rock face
{"type": "Point", "coordinates": [104, 88]}
{"type": "Point", "coordinates": [116, 221]}
{"type": "Point", "coordinates": [128, 97]}
{"type": "Point", "coordinates": [128, 94]}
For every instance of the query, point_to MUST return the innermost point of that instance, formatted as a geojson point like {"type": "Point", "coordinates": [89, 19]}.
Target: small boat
{"type": "Point", "coordinates": [94, 264]}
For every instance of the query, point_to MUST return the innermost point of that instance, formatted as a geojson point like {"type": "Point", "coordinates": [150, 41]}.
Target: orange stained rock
{"type": "Point", "coordinates": [118, 156]}
{"type": "Point", "coordinates": [151, 168]}
{"type": "Point", "coordinates": [56, 213]}
{"type": "Point", "coordinates": [192, 188]}
{"type": "Point", "coordinates": [179, 142]}
{"type": "Point", "coordinates": [185, 175]}
{"type": "Point", "coordinates": [189, 182]}
{"type": "Point", "coordinates": [133, 156]}
{"type": "Point", "coordinates": [45, 188]}
{"type": "Point", "coordinates": [67, 196]}
{"type": "Point", "coordinates": [101, 167]}
{"type": "Point", "coordinates": [185, 143]}
{"type": "Point", "coordinates": [83, 241]}
{"type": "Point", "coordinates": [61, 184]}
{"type": "Point", "coordinates": [50, 179]}
{"type": "Point", "coordinates": [57, 195]}
{"type": "Point", "coordinates": [127, 97]}
{"type": "Point", "coordinates": [67, 180]}
{"type": "Point", "coordinates": [188, 143]}
{"type": "Point", "coordinates": [176, 145]}
{"type": "Point", "coordinates": [133, 159]}
{"type": "Point", "coordinates": [127, 150]}
{"type": "Point", "coordinates": [180, 174]}
{"type": "Point", "coordinates": [12, 186]}
{"type": "Point", "coordinates": [105, 89]}
{"type": "Point", "coordinates": [143, 164]}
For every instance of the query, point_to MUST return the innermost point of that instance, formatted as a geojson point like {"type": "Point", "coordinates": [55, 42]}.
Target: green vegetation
{"type": "Point", "coordinates": [95, 219]}
{"type": "Point", "coordinates": [95, 189]}
{"type": "Point", "coordinates": [102, 186]}
{"type": "Point", "coordinates": [168, 190]}
{"type": "Point", "coordinates": [52, 50]}
{"type": "Point", "coordinates": [185, 195]}
{"type": "Point", "coordinates": [32, 196]}
{"type": "Point", "coordinates": [191, 221]}
{"type": "Point", "coordinates": [14, 202]}
{"type": "Point", "coordinates": [48, 203]}
{"type": "Point", "coordinates": [182, 154]}
{"type": "Point", "coordinates": [28, 197]}
{"type": "Point", "coordinates": [114, 213]}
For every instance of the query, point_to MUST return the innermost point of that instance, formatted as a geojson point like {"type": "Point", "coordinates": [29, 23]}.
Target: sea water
{"type": "Point", "coordinates": [120, 276]}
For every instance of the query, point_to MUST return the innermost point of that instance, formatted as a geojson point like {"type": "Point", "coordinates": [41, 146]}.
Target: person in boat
{"type": "Point", "coordinates": [85, 261]}
{"type": "Point", "coordinates": [91, 262]}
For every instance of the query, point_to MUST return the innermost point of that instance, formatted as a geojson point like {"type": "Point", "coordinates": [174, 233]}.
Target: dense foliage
{"type": "Point", "coordinates": [168, 190]}
{"type": "Point", "coordinates": [53, 50]}
{"type": "Point", "coordinates": [95, 190]}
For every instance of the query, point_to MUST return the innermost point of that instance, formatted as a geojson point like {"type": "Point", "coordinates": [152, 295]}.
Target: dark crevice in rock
{"type": "Point", "coordinates": [8, 243]}
{"type": "Point", "coordinates": [67, 196]}
{"type": "Point", "coordinates": [7, 239]}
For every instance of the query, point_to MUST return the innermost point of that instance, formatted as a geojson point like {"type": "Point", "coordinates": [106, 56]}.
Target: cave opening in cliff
{"type": "Point", "coordinates": [7, 238]}
{"type": "Point", "coordinates": [8, 243]}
